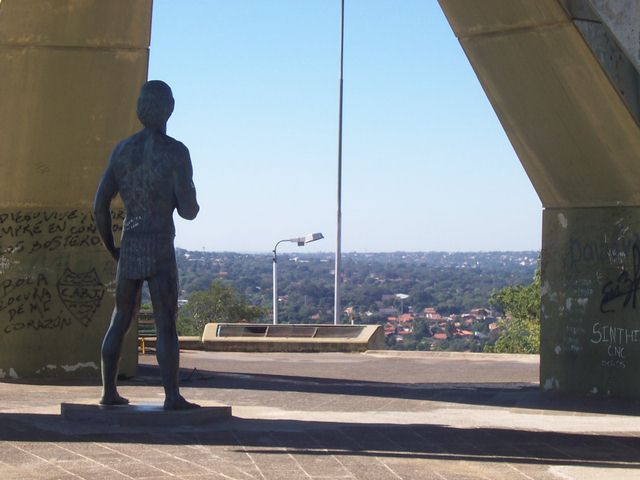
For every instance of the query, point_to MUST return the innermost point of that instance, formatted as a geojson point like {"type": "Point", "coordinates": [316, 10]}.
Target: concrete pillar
{"type": "Point", "coordinates": [70, 71]}
{"type": "Point", "coordinates": [566, 94]}
{"type": "Point", "coordinates": [590, 301]}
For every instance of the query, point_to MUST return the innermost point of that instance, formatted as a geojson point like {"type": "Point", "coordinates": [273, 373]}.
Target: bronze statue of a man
{"type": "Point", "coordinates": [153, 174]}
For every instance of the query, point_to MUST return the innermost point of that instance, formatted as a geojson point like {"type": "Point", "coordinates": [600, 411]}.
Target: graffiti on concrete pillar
{"type": "Point", "coordinates": [49, 278]}
{"type": "Point", "coordinates": [29, 303]}
{"type": "Point", "coordinates": [26, 304]}
{"type": "Point", "coordinates": [81, 294]}
{"type": "Point", "coordinates": [585, 251]}
{"type": "Point", "coordinates": [591, 300]}
{"type": "Point", "coordinates": [622, 292]}
{"type": "Point", "coordinates": [31, 232]}
{"type": "Point", "coordinates": [617, 341]}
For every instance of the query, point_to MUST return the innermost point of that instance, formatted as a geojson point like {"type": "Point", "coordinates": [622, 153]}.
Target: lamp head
{"type": "Point", "coordinates": [312, 237]}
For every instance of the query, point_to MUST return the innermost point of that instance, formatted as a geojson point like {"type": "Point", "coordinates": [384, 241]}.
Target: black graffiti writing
{"type": "Point", "coordinates": [53, 323]}
{"type": "Point", "coordinates": [18, 224]}
{"type": "Point", "coordinates": [14, 231]}
{"type": "Point", "coordinates": [43, 216]}
{"type": "Point", "coordinates": [580, 251]}
{"type": "Point", "coordinates": [81, 293]}
{"type": "Point", "coordinates": [625, 286]}
{"type": "Point", "coordinates": [47, 245]}
{"type": "Point", "coordinates": [47, 231]}
{"type": "Point", "coordinates": [25, 295]}
{"type": "Point", "coordinates": [72, 240]}
{"type": "Point", "coordinates": [57, 227]}
{"type": "Point", "coordinates": [81, 240]}
{"type": "Point", "coordinates": [9, 285]}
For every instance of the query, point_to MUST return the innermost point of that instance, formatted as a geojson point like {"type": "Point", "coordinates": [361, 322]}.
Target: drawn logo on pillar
{"type": "Point", "coordinates": [81, 293]}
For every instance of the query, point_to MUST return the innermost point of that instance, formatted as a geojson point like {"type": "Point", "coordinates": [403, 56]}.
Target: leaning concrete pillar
{"type": "Point", "coordinates": [563, 82]}
{"type": "Point", "coordinates": [70, 71]}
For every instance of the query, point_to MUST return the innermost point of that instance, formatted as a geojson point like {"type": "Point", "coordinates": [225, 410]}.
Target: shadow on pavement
{"type": "Point", "coordinates": [313, 438]}
{"type": "Point", "coordinates": [515, 395]}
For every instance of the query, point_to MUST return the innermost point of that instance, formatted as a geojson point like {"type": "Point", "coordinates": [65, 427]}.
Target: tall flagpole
{"type": "Point", "coordinates": [337, 309]}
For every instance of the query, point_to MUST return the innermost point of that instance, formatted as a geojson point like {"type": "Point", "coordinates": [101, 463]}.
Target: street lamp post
{"type": "Point", "coordinates": [402, 297]}
{"type": "Point", "coordinates": [301, 241]}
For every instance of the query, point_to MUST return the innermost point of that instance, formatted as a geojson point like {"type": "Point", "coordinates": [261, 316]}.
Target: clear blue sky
{"type": "Point", "coordinates": [427, 165]}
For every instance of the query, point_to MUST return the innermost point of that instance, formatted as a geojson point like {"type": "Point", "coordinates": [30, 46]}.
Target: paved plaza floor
{"type": "Point", "coordinates": [378, 415]}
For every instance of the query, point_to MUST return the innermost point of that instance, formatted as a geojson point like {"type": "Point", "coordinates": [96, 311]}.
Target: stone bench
{"type": "Point", "coordinates": [292, 337]}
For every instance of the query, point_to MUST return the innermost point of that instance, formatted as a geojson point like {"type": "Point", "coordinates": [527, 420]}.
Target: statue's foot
{"type": "Point", "coordinates": [179, 403]}
{"type": "Point", "coordinates": [113, 399]}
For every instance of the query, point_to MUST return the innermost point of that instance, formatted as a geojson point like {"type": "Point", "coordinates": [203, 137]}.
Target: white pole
{"type": "Point", "coordinates": [337, 309]}
{"type": "Point", "coordinates": [275, 288]}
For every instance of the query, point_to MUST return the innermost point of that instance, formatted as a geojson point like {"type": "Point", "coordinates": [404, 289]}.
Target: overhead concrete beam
{"type": "Point", "coordinates": [565, 119]}
{"type": "Point", "coordinates": [116, 24]}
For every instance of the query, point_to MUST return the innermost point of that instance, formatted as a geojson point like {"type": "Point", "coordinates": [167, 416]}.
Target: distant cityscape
{"type": "Point", "coordinates": [423, 300]}
{"type": "Point", "coordinates": [467, 331]}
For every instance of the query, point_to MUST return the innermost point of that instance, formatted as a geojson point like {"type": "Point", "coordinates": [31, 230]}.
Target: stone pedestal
{"type": "Point", "coordinates": [143, 415]}
{"type": "Point", "coordinates": [591, 301]}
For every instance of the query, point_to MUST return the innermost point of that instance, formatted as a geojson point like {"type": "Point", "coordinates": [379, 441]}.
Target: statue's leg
{"type": "Point", "coordinates": [127, 305]}
{"type": "Point", "coordinates": [163, 288]}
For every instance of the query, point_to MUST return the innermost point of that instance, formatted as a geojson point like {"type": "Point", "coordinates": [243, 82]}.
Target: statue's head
{"type": "Point", "coordinates": [155, 104]}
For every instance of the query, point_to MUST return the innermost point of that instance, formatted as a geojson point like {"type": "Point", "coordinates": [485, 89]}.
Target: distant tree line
{"type": "Point", "coordinates": [452, 283]}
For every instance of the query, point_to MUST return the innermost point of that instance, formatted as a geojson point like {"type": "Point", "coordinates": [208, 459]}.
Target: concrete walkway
{"type": "Point", "coordinates": [379, 415]}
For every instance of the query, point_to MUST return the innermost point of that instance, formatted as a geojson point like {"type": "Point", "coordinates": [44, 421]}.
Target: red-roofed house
{"type": "Point", "coordinates": [464, 333]}
{"type": "Point", "coordinates": [431, 314]}
{"type": "Point", "coordinates": [389, 330]}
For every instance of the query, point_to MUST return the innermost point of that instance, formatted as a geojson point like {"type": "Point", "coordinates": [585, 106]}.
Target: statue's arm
{"type": "Point", "coordinates": [185, 190]}
{"type": "Point", "coordinates": [107, 190]}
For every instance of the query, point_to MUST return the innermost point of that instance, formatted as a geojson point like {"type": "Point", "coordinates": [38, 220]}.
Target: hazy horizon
{"type": "Point", "coordinates": [329, 252]}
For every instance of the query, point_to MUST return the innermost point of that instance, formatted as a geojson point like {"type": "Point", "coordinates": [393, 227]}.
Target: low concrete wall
{"type": "Point", "coordinates": [292, 338]}
{"type": "Point", "coordinates": [185, 342]}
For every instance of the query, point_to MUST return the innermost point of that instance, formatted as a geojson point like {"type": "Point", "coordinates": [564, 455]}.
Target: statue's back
{"type": "Point", "coordinates": [144, 167]}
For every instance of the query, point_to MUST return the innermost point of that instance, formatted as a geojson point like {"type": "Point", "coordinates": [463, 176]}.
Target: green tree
{"type": "Point", "coordinates": [521, 329]}
{"type": "Point", "coordinates": [221, 303]}
{"type": "Point", "coordinates": [420, 329]}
